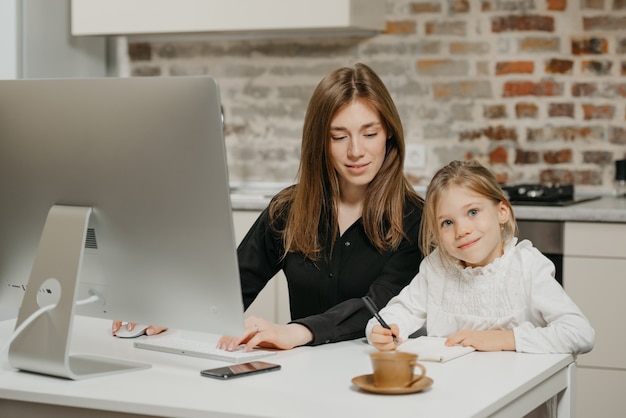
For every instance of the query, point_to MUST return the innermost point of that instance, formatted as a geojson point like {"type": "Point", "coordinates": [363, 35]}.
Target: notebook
{"type": "Point", "coordinates": [433, 349]}
{"type": "Point", "coordinates": [202, 349]}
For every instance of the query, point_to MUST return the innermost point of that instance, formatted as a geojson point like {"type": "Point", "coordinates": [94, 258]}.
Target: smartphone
{"type": "Point", "coordinates": [237, 370]}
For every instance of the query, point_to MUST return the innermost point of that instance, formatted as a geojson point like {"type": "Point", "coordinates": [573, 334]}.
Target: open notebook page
{"type": "Point", "coordinates": [433, 349]}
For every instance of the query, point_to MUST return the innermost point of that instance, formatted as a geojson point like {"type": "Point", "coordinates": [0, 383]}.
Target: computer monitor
{"type": "Point", "coordinates": [114, 187]}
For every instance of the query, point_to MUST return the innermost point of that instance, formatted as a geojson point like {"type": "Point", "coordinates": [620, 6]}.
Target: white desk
{"type": "Point", "coordinates": [313, 382]}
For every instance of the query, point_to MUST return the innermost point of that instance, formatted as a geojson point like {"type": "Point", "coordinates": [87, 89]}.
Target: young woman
{"type": "Point", "coordinates": [349, 226]}
{"type": "Point", "coordinates": [347, 229]}
{"type": "Point", "coordinates": [477, 285]}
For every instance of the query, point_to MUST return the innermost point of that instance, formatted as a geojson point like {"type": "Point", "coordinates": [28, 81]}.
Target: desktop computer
{"type": "Point", "coordinates": [116, 194]}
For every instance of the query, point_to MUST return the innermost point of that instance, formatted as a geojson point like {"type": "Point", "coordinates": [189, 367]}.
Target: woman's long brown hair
{"type": "Point", "coordinates": [309, 207]}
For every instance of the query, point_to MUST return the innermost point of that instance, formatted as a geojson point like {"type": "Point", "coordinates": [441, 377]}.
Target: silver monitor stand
{"type": "Point", "coordinates": [43, 346]}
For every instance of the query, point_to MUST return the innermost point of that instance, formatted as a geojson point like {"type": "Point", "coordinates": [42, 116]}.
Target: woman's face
{"type": "Point", "coordinates": [358, 145]}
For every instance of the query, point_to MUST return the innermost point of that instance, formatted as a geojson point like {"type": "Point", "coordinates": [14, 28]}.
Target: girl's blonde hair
{"type": "Point", "coordinates": [473, 176]}
{"type": "Point", "coordinates": [308, 209]}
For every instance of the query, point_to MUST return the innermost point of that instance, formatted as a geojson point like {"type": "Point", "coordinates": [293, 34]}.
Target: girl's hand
{"type": "Point", "coordinates": [488, 340]}
{"type": "Point", "coordinates": [262, 333]}
{"type": "Point", "coordinates": [382, 338]}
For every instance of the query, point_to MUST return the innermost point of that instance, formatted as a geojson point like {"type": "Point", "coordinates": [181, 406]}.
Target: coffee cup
{"type": "Point", "coordinates": [394, 369]}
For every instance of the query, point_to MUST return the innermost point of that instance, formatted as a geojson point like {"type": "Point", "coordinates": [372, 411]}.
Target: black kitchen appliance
{"type": "Point", "coordinates": [544, 195]}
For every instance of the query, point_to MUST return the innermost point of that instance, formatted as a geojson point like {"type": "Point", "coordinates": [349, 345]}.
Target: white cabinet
{"type": "Point", "coordinates": [141, 17]}
{"type": "Point", "coordinates": [594, 275]}
{"type": "Point", "coordinates": [273, 301]}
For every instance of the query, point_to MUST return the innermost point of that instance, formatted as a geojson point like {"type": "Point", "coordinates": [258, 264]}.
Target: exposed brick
{"type": "Point", "coordinates": [597, 67]}
{"type": "Point", "coordinates": [589, 46]}
{"type": "Point", "coordinates": [561, 110]}
{"type": "Point", "coordinates": [146, 71]}
{"type": "Point", "coordinates": [552, 176]}
{"type": "Point", "coordinates": [526, 157]}
{"type": "Point", "coordinates": [401, 27]}
{"type": "Point", "coordinates": [529, 88]}
{"type": "Point", "coordinates": [494, 111]}
{"type": "Point", "coordinates": [426, 7]}
{"type": "Point", "coordinates": [469, 135]}
{"type": "Point", "coordinates": [582, 177]}
{"type": "Point", "coordinates": [558, 157]}
{"type": "Point", "coordinates": [522, 23]}
{"type": "Point", "coordinates": [621, 46]}
{"type": "Point", "coordinates": [604, 23]}
{"type": "Point", "coordinates": [459, 6]}
{"type": "Point", "coordinates": [501, 178]}
{"type": "Point", "coordinates": [442, 68]}
{"type": "Point", "coordinates": [584, 89]}
{"type": "Point", "coordinates": [497, 133]}
{"type": "Point", "coordinates": [526, 110]}
{"type": "Point", "coordinates": [619, 4]}
{"type": "Point", "coordinates": [482, 68]}
{"type": "Point", "coordinates": [598, 157]}
{"type": "Point", "coordinates": [623, 68]}
{"type": "Point", "coordinates": [139, 51]}
{"type": "Point", "coordinates": [515, 67]}
{"type": "Point", "coordinates": [462, 112]}
{"type": "Point", "coordinates": [498, 155]}
{"type": "Point", "coordinates": [540, 45]}
{"type": "Point", "coordinates": [592, 4]}
{"type": "Point", "coordinates": [401, 48]}
{"type": "Point", "coordinates": [620, 89]}
{"type": "Point", "coordinates": [469, 48]}
{"type": "Point", "coordinates": [564, 133]}
{"type": "Point", "coordinates": [486, 6]}
{"type": "Point", "coordinates": [557, 4]}
{"type": "Point", "coordinates": [462, 89]}
{"type": "Point", "coordinates": [598, 112]}
{"type": "Point", "coordinates": [446, 28]}
{"type": "Point", "coordinates": [511, 5]}
{"type": "Point", "coordinates": [559, 66]}
{"type": "Point", "coordinates": [617, 135]}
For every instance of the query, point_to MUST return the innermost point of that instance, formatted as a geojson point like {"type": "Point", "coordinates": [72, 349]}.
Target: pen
{"type": "Point", "coordinates": [369, 303]}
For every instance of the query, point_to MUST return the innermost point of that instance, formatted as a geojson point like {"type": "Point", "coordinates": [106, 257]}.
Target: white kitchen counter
{"type": "Point", "coordinates": [605, 209]}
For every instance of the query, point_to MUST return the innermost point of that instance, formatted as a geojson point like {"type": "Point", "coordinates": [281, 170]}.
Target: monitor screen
{"type": "Point", "coordinates": [133, 168]}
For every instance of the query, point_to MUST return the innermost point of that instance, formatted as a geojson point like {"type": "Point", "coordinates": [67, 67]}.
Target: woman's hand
{"type": "Point", "coordinates": [382, 338]}
{"type": "Point", "coordinates": [487, 340]}
{"type": "Point", "coordinates": [151, 330]}
{"type": "Point", "coordinates": [262, 333]}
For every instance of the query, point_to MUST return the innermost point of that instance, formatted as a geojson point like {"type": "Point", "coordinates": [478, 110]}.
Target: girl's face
{"type": "Point", "coordinates": [470, 226]}
{"type": "Point", "coordinates": [358, 145]}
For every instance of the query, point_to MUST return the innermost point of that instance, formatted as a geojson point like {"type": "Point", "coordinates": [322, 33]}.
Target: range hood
{"type": "Point", "coordinates": [227, 17]}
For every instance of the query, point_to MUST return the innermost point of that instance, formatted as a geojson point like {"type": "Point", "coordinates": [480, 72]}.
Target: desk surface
{"type": "Point", "coordinates": [313, 382]}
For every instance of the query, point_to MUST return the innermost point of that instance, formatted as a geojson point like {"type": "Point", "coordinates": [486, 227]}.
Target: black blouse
{"type": "Point", "coordinates": [325, 296]}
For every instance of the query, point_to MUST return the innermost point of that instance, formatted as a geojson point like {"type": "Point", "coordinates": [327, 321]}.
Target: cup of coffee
{"type": "Point", "coordinates": [394, 369]}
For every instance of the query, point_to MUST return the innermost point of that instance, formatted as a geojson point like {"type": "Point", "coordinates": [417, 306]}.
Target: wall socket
{"type": "Point", "coordinates": [415, 156]}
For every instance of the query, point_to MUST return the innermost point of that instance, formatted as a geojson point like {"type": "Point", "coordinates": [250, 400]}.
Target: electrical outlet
{"type": "Point", "coordinates": [415, 156]}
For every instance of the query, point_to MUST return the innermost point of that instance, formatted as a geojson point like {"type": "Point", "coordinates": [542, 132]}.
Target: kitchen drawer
{"type": "Point", "coordinates": [598, 287]}
{"type": "Point", "coordinates": [595, 239]}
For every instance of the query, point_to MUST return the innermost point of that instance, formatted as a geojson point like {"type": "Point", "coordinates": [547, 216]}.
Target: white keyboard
{"type": "Point", "coordinates": [193, 348]}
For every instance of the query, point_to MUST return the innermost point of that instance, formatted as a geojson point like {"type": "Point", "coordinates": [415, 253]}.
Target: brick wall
{"type": "Point", "coordinates": [536, 89]}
